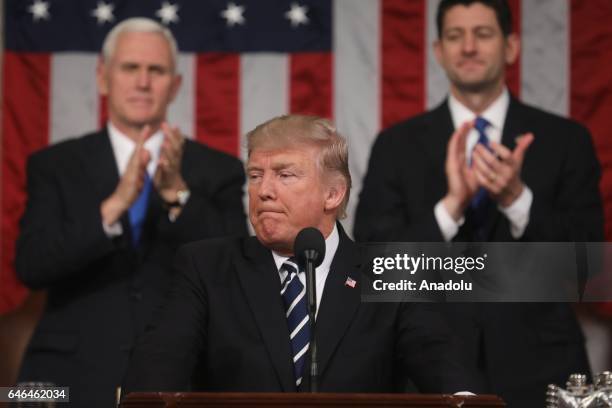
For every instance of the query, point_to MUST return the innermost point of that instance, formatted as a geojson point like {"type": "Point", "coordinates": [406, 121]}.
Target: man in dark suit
{"type": "Point", "coordinates": [229, 325]}
{"type": "Point", "coordinates": [482, 166]}
{"type": "Point", "coordinates": [106, 213]}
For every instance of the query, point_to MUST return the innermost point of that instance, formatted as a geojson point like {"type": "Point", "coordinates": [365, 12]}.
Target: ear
{"type": "Point", "coordinates": [176, 85]}
{"type": "Point", "coordinates": [336, 191]}
{"type": "Point", "coordinates": [513, 48]}
{"type": "Point", "coordinates": [437, 47]}
{"type": "Point", "coordinates": [102, 77]}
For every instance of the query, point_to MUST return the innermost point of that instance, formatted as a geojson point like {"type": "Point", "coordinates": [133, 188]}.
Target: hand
{"type": "Point", "coordinates": [499, 171]}
{"type": "Point", "coordinates": [131, 183]}
{"type": "Point", "coordinates": [168, 179]}
{"type": "Point", "coordinates": [461, 180]}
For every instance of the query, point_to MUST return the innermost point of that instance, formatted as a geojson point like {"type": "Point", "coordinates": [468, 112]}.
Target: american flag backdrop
{"type": "Point", "coordinates": [364, 63]}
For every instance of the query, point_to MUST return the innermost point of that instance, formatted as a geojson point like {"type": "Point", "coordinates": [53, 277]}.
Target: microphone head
{"type": "Point", "coordinates": [309, 245]}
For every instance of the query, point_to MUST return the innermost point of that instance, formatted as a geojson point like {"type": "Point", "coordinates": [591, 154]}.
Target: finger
{"type": "Point", "coordinates": [173, 135]}
{"type": "Point", "coordinates": [486, 160]}
{"type": "Point", "coordinates": [145, 157]}
{"type": "Point", "coordinates": [502, 152]}
{"type": "Point", "coordinates": [144, 134]}
{"type": "Point", "coordinates": [522, 143]}
{"type": "Point", "coordinates": [462, 134]}
{"type": "Point", "coordinates": [484, 181]}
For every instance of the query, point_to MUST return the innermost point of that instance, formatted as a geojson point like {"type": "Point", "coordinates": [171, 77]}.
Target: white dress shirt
{"type": "Point", "coordinates": [321, 272]}
{"type": "Point", "coordinates": [517, 212]}
{"type": "Point", "coordinates": [123, 148]}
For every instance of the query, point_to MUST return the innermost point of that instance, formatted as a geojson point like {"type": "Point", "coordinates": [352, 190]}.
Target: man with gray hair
{"type": "Point", "coordinates": [106, 213]}
{"type": "Point", "coordinates": [237, 321]}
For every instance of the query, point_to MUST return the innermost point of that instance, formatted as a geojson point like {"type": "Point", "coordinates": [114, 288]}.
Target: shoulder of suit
{"type": "Point", "coordinates": [65, 148]}
{"type": "Point", "coordinates": [536, 116]}
{"type": "Point", "coordinates": [214, 246]}
{"type": "Point", "coordinates": [205, 154]}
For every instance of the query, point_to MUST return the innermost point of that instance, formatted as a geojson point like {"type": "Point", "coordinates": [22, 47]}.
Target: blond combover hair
{"type": "Point", "coordinates": [291, 130]}
{"type": "Point", "coordinates": [137, 25]}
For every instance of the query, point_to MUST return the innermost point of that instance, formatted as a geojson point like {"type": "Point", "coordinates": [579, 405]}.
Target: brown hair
{"type": "Point", "coordinates": [291, 130]}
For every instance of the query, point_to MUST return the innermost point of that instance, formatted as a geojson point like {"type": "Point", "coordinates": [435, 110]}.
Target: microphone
{"type": "Point", "coordinates": [309, 248]}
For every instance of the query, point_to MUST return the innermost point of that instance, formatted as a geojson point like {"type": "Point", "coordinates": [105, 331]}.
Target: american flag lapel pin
{"type": "Point", "coordinates": [350, 282]}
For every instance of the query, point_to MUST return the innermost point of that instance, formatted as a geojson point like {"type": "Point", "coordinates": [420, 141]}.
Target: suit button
{"type": "Point", "coordinates": [137, 296]}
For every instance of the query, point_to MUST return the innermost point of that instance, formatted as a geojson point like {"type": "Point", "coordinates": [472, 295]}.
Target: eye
{"type": "Point", "coordinates": [286, 174]}
{"type": "Point", "coordinates": [158, 70]}
{"type": "Point", "coordinates": [484, 33]}
{"type": "Point", "coordinates": [254, 177]}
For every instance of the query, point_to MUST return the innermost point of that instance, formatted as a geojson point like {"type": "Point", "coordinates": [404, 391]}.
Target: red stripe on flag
{"type": "Point", "coordinates": [25, 128]}
{"type": "Point", "coordinates": [218, 101]}
{"type": "Point", "coordinates": [591, 80]}
{"type": "Point", "coordinates": [102, 111]}
{"type": "Point", "coordinates": [513, 72]}
{"type": "Point", "coordinates": [403, 59]}
{"type": "Point", "coordinates": [311, 89]}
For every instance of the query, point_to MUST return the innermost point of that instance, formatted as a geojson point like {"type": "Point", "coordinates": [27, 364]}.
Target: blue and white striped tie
{"type": "Point", "coordinates": [293, 293]}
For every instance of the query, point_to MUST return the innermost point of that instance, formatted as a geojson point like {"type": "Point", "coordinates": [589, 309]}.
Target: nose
{"type": "Point", "coordinates": [266, 188]}
{"type": "Point", "coordinates": [469, 44]}
{"type": "Point", "coordinates": [143, 79]}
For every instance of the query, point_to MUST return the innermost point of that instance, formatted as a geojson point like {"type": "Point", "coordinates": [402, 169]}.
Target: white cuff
{"type": "Point", "coordinates": [448, 226]}
{"type": "Point", "coordinates": [518, 213]}
{"type": "Point", "coordinates": [113, 230]}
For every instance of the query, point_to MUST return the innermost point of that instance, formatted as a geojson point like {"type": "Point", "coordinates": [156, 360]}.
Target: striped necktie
{"type": "Point", "coordinates": [293, 293]}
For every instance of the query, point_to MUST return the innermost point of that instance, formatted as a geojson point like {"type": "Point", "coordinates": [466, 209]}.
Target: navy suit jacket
{"type": "Point", "coordinates": [225, 329]}
{"type": "Point", "coordinates": [519, 347]}
{"type": "Point", "coordinates": [102, 292]}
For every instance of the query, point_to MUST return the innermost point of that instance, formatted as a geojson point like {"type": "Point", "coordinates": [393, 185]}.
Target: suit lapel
{"type": "Point", "coordinates": [339, 302]}
{"type": "Point", "coordinates": [261, 285]}
{"type": "Point", "coordinates": [513, 127]}
{"type": "Point", "coordinates": [439, 130]}
{"type": "Point", "coordinates": [99, 164]}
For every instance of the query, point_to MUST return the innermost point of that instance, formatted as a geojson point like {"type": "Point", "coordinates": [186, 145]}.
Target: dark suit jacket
{"type": "Point", "coordinates": [102, 292]}
{"type": "Point", "coordinates": [521, 346]}
{"type": "Point", "coordinates": [227, 314]}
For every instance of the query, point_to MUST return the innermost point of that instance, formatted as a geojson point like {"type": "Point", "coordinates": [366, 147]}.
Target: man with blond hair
{"type": "Point", "coordinates": [229, 325]}
{"type": "Point", "coordinates": [106, 212]}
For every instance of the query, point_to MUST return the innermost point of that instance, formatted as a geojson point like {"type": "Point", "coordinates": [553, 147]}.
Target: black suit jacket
{"type": "Point", "coordinates": [226, 324]}
{"type": "Point", "coordinates": [102, 292]}
{"type": "Point", "coordinates": [520, 347]}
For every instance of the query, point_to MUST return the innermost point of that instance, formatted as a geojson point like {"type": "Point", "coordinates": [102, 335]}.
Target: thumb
{"type": "Point", "coordinates": [523, 142]}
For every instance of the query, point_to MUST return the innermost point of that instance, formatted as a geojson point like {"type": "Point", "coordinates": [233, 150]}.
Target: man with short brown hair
{"type": "Point", "coordinates": [230, 323]}
{"type": "Point", "coordinates": [482, 167]}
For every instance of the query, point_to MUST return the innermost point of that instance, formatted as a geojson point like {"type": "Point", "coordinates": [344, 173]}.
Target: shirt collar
{"type": "Point", "coordinates": [331, 245]}
{"type": "Point", "coordinates": [495, 113]}
{"type": "Point", "coordinates": [123, 147]}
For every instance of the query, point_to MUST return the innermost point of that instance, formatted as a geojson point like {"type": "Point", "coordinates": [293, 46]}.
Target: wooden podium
{"type": "Point", "coordinates": [298, 400]}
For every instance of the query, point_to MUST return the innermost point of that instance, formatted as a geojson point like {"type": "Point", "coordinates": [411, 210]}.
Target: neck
{"type": "Point", "coordinates": [134, 132]}
{"type": "Point", "coordinates": [477, 101]}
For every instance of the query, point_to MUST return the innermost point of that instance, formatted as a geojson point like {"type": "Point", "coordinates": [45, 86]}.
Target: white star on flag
{"type": "Point", "coordinates": [104, 12]}
{"type": "Point", "coordinates": [168, 13]}
{"type": "Point", "coordinates": [233, 14]}
{"type": "Point", "coordinates": [39, 10]}
{"type": "Point", "coordinates": [297, 15]}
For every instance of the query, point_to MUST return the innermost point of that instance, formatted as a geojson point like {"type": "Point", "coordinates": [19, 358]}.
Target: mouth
{"type": "Point", "coordinates": [470, 64]}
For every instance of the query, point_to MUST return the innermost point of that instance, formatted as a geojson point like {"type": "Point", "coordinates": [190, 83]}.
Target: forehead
{"type": "Point", "coordinates": [467, 17]}
{"type": "Point", "coordinates": [149, 47]}
{"type": "Point", "coordinates": [298, 156]}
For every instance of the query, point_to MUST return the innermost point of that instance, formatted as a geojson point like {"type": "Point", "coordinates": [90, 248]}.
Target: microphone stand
{"type": "Point", "coordinates": [311, 293]}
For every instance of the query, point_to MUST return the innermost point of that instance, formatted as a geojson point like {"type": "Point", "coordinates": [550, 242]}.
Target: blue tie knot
{"type": "Point", "coordinates": [481, 124]}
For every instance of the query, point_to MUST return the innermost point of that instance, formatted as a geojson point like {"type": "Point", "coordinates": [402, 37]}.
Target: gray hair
{"type": "Point", "coordinates": [137, 25]}
{"type": "Point", "coordinates": [290, 130]}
